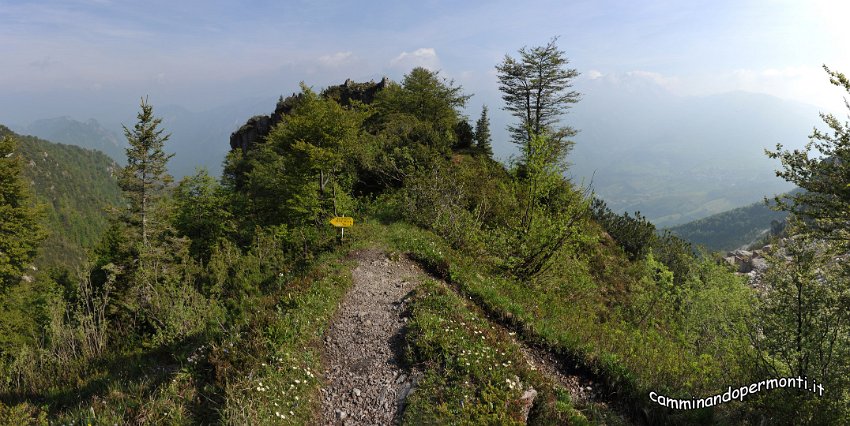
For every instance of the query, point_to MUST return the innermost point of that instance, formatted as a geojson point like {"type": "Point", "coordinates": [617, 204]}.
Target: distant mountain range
{"type": "Point", "coordinates": [198, 139]}
{"type": "Point", "coordinates": [673, 158]}
{"type": "Point", "coordinates": [676, 159]}
{"type": "Point", "coordinates": [90, 134]}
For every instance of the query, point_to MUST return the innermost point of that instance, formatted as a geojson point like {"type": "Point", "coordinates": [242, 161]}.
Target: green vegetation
{"type": "Point", "coordinates": [825, 198]}
{"type": "Point", "coordinates": [474, 373]}
{"type": "Point", "coordinates": [205, 302]}
{"type": "Point", "coordinates": [535, 90]}
{"type": "Point", "coordinates": [20, 231]}
{"type": "Point", "coordinates": [483, 139]}
{"type": "Point", "coordinates": [633, 343]}
{"type": "Point", "coordinates": [76, 187]}
{"type": "Point", "coordinates": [804, 324]}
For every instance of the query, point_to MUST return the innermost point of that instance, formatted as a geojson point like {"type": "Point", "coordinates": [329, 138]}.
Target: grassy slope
{"type": "Point", "coordinates": [474, 373]}
{"type": "Point", "coordinates": [262, 373]}
{"type": "Point", "coordinates": [628, 361]}
{"type": "Point", "coordinates": [266, 374]}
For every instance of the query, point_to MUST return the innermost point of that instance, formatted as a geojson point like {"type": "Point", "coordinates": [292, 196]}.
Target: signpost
{"type": "Point", "coordinates": [342, 222]}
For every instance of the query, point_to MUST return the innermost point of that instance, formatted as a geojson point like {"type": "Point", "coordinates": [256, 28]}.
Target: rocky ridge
{"type": "Point", "coordinates": [259, 126]}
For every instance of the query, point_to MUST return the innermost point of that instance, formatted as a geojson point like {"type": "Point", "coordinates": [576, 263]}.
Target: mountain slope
{"type": "Point", "coordinates": [731, 229]}
{"type": "Point", "coordinates": [76, 186]}
{"type": "Point", "coordinates": [90, 135]}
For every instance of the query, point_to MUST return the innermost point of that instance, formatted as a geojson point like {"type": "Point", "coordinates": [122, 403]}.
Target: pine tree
{"type": "Point", "coordinates": [20, 228]}
{"type": "Point", "coordinates": [535, 89]}
{"type": "Point", "coordinates": [464, 135]}
{"type": "Point", "coordinates": [144, 178]}
{"type": "Point", "coordinates": [483, 140]}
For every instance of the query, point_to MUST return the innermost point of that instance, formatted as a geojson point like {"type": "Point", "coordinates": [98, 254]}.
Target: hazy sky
{"type": "Point", "coordinates": [84, 57]}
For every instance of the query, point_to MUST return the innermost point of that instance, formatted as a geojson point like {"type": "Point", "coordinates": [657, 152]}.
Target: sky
{"type": "Point", "coordinates": [87, 58]}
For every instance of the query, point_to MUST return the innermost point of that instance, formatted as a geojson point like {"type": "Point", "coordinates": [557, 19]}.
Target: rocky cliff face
{"type": "Point", "coordinates": [258, 127]}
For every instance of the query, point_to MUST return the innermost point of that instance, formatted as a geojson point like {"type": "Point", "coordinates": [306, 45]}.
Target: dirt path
{"type": "Point", "coordinates": [363, 381]}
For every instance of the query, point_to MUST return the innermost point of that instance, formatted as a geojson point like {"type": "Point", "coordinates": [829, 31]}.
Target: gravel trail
{"type": "Point", "coordinates": [363, 382]}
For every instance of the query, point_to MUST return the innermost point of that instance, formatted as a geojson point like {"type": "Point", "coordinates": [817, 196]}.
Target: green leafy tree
{"type": "Point", "coordinates": [536, 90]}
{"type": "Point", "coordinates": [551, 213]}
{"type": "Point", "coordinates": [804, 329]}
{"type": "Point", "coordinates": [20, 227]}
{"type": "Point", "coordinates": [304, 173]}
{"type": "Point", "coordinates": [483, 139]}
{"type": "Point", "coordinates": [201, 213]}
{"type": "Point", "coordinates": [806, 325]}
{"type": "Point", "coordinates": [145, 177]}
{"type": "Point", "coordinates": [154, 292]}
{"type": "Point", "coordinates": [634, 234]}
{"type": "Point", "coordinates": [825, 202]}
{"type": "Point", "coordinates": [427, 97]}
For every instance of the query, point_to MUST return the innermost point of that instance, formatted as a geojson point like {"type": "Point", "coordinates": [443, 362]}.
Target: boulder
{"type": "Point", "coordinates": [759, 264]}
{"type": "Point", "coordinates": [526, 402]}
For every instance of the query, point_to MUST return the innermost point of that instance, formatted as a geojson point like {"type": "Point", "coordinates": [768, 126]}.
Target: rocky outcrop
{"type": "Point", "coordinates": [258, 127]}
{"type": "Point", "coordinates": [750, 263]}
{"type": "Point", "coordinates": [349, 92]}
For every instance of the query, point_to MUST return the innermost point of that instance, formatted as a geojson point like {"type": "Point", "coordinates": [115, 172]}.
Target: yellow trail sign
{"type": "Point", "coordinates": [342, 222]}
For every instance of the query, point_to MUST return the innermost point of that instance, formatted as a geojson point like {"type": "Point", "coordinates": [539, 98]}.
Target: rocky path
{"type": "Point", "coordinates": [363, 381]}
{"type": "Point", "coordinates": [364, 384]}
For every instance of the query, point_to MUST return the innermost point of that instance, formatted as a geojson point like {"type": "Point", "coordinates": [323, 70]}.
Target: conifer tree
{"type": "Point", "coordinates": [145, 177]}
{"type": "Point", "coordinates": [536, 90]}
{"type": "Point", "coordinates": [20, 229]}
{"type": "Point", "coordinates": [483, 140]}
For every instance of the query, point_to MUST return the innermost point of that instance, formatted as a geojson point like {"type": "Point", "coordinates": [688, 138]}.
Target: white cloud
{"type": "Point", "coordinates": [638, 80]}
{"type": "Point", "coordinates": [667, 82]}
{"type": "Point", "coordinates": [425, 57]}
{"type": "Point", "coordinates": [594, 74]}
{"type": "Point", "coordinates": [336, 59]}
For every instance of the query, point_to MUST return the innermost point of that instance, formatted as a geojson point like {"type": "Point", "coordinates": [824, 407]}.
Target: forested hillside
{"type": "Point", "coordinates": [90, 134]}
{"type": "Point", "coordinates": [733, 229]}
{"type": "Point", "coordinates": [467, 291]}
{"type": "Point", "coordinates": [76, 186]}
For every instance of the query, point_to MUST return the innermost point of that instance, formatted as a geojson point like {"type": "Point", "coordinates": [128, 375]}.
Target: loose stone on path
{"type": "Point", "coordinates": [362, 371]}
